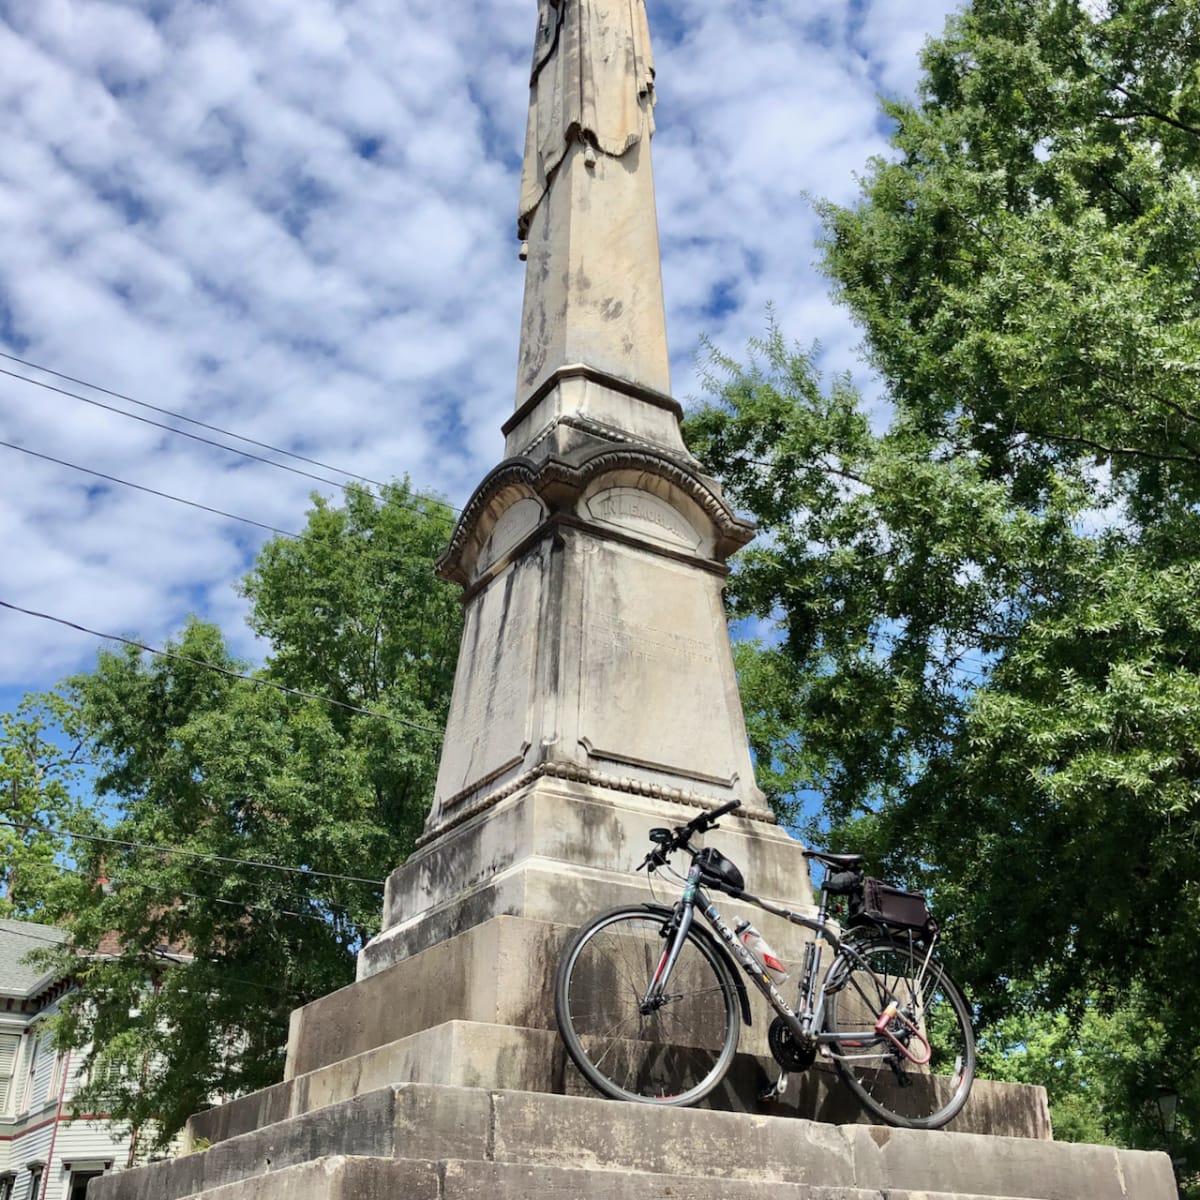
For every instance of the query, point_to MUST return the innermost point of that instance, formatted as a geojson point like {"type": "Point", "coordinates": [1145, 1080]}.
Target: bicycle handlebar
{"type": "Point", "coordinates": [683, 833]}
{"type": "Point", "coordinates": [708, 820]}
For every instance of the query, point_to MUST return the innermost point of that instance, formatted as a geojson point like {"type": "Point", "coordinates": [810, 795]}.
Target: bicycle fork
{"type": "Point", "coordinates": [655, 996]}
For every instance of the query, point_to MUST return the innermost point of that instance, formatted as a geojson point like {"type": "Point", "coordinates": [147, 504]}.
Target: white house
{"type": "Point", "coordinates": [45, 1152]}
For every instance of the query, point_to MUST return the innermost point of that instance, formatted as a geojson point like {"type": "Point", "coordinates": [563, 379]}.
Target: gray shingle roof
{"type": "Point", "coordinates": [17, 939]}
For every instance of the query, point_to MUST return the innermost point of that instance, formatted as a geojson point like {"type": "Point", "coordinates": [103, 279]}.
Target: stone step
{"type": "Point", "coordinates": [535, 1131]}
{"type": "Point", "coordinates": [343, 1178]}
{"type": "Point", "coordinates": [504, 1057]}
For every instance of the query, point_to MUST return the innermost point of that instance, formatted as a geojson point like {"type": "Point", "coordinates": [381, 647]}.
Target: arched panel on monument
{"type": "Point", "coordinates": [651, 505]}
{"type": "Point", "coordinates": [492, 528]}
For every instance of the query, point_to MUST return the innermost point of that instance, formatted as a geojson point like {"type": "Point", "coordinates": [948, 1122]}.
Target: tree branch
{"type": "Point", "coordinates": [1147, 111]}
{"type": "Point", "coordinates": [1112, 451]}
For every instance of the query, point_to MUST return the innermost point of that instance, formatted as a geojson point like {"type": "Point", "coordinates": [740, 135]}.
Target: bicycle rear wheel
{"type": "Point", "coordinates": [881, 1060]}
{"type": "Point", "coordinates": [673, 1054]}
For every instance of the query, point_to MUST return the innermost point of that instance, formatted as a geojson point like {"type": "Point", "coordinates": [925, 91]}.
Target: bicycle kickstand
{"type": "Point", "coordinates": [775, 1091]}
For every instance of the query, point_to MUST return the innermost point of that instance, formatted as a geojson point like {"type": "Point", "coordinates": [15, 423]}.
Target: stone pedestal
{"type": "Point", "coordinates": [595, 647]}
{"type": "Point", "coordinates": [426, 1142]}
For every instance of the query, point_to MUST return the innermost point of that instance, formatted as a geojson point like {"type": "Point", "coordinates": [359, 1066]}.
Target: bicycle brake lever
{"type": "Point", "coordinates": [653, 860]}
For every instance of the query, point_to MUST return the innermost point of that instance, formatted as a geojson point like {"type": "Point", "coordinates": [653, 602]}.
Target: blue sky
{"type": "Point", "coordinates": [296, 219]}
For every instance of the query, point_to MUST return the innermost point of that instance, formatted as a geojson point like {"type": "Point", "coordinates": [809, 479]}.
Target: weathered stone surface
{"type": "Point", "coordinates": [503, 1181]}
{"type": "Point", "coordinates": [559, 852]}
{"type": "Point", "coordinates": [365, 1126]}
{"type": "Point", "coordinates": [344, 1178]}
{"type": "Point", "coordinates": [593, 279]}
{"type": "Point", "coordinates": [595, 648]}
{"type": "Point", "coordinates": [339, 1178]}
{"type": "Point", "coordinates": [901, 1158]}
{"type": "Point", "coordinates": [528, 1135]}
{"type": "Point", "coordinates": [648, 1138]}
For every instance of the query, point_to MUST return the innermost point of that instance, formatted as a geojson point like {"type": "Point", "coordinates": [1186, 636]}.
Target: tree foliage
{"type": "Point", "coordinates": [201, 951]}
{"type": "Point", "coordinates": [39, 776]}
{"type": "Point", "coordinates": [987, 619]}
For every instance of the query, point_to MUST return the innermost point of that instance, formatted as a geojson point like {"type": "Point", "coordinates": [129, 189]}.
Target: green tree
{"type": "Point", "coordinates": [987, 616]}
{"type": "Point", "coordinates": [1083, 1062]}
{"type": "Point", "coordinates": [201, 951]}
{"type": "Point", "coordinates": [39, 778]}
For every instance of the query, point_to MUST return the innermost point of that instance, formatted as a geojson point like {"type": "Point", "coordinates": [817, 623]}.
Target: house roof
{"type": "Point", "coordinates": [17, 940]}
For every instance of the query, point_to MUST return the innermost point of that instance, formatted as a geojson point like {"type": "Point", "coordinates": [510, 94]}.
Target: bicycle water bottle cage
{"type": "Point", "coordinates": [719, 871]}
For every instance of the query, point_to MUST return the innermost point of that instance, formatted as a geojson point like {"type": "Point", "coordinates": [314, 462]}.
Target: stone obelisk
{"type": "Point", "coordinates": [595, 695]}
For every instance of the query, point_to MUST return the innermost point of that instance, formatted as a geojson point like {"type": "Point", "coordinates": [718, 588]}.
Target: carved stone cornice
{"type": "Point", "coordinates": [575, 773]}
{"type": "Point", "coordinates": [558, 482]}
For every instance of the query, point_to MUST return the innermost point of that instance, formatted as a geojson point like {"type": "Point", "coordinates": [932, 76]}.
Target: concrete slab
{"type": "Point", "coordinates": [901, 1158]}
{"type": "Point", "coordinates": [342, 1178]}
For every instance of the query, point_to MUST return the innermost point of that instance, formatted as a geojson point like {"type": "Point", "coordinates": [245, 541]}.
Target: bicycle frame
{"type": "Point", "coordinates": [806, 1021]}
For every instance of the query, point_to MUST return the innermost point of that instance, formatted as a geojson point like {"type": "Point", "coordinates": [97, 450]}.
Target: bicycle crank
{"type": "Point", "coordinates": [790, 1054]}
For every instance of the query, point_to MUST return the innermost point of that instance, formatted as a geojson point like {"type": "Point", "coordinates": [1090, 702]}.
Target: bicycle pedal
{"type": "Point", "coordinates": [775, 1091]}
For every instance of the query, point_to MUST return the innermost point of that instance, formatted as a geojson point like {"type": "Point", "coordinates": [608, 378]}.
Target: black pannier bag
{"type": "Point", "coordinates": [884, 904]}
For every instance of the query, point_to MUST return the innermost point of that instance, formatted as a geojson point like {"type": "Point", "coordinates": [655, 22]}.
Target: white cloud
{"type": "Point", "coordinates": [295, 219]}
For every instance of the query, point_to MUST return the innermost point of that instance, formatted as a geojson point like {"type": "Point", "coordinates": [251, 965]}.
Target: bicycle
{"type": "Point", "coordinates": [649, 1003]}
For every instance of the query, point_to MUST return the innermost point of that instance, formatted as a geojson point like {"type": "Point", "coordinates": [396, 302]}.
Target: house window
{"type": "Point", "coordinates": [9, 1044]}
{"type": "Point", "coordinates": [7, 1183]}
{"type": "Point", "coordinates": [35, 1181]}
{"type": "Point", "coordinates": [56, 1079]}
{"type": "Point", "coordinates": [77, 1184]}
{"type": "Point", "coordinates": [25, 1099]}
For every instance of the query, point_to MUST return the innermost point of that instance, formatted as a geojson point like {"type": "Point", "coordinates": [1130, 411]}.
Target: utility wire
{"type": "Point", "coordinates": [295, 537]}
{"type": "Point", "coordinates": [166, 412]}
{"type": "Point", "coordinates": [196, 662]}
{"type": "Point", "coordinates": [166, 956]}
{"type": "Point", "coordinates": [151, 491]}
{"type": "Point", "coordinates": [243, 904]}
{"type": "Point", "coordinates": [244, 862]}
{"type": "Point", "coordinates": [33, 937]}
{"type": "Point", "coordinates": [196, 437]}
{"type": "Point", "coordinates": [171, 429]}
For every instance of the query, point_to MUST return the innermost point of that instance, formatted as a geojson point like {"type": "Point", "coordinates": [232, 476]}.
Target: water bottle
{"type": "Point", "coordinates": [757, 945]}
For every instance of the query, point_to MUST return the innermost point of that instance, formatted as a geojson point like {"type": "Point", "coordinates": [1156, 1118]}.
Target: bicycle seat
{"type": "Point", "coordinates": [843, 862]}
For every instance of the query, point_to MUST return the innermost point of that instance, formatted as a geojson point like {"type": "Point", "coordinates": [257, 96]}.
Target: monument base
{"type": "Point", "coordinates": [425, 1142]}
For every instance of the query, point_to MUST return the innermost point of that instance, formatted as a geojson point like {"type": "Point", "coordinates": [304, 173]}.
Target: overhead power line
{"type": "Point", "coordinates": [178, 850]}
{"type": "Point", "coordinates": [196, 662]}
{"type": "Point", "coordinates": [159, 953]}
{"type": "Point", "coordinates": [195, 437]}
{"type": "Point", "coordinates": [151, 491]}
{"type": "Point", "coordinates": [34, 937]}
{"type": "Point", "coordinates": [166, 412]}
{"type": "Point", "coordinates": [201, 424]}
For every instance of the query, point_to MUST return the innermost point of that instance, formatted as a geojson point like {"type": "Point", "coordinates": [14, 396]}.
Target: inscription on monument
{"type": "Point", "coordinates": [640, 512]}
{"type": "Point", "coordinates": [650, 643]}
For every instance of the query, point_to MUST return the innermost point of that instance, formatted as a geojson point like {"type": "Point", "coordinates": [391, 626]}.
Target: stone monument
{"type": "Point", "coordinates": [595, 698]}
{"type": "Point", "coordinates": [595, 695]}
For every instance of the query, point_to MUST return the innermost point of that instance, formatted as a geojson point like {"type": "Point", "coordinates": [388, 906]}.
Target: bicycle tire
{"type": "Point", "coordinates": [674, 1055]}
{"type": "Point", "coordinates": [887, 1082]}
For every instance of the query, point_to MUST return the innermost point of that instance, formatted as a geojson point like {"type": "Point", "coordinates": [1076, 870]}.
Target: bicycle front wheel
{"type": "Point", "coordinates": [674, 1052]}
{"type": "Point", "coordinates": [903, 1039]}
